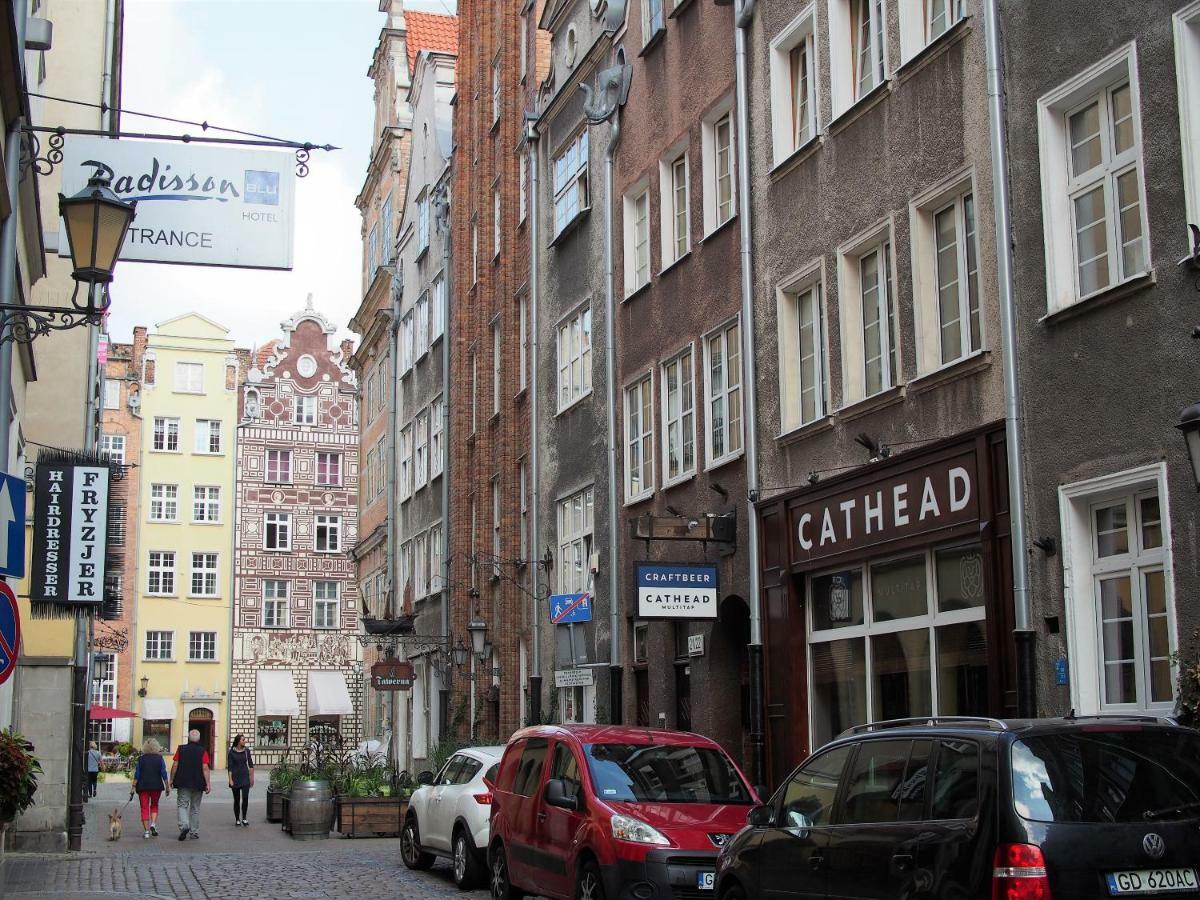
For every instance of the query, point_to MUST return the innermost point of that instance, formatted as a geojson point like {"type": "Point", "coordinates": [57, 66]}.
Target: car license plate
{"type": "Point", "coordinates": [1152, 881]}
{"type": "Point", "coordinates": [704, 881]}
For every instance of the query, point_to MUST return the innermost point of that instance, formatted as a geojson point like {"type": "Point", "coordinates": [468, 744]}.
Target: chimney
{"type": "Point", "coordinates": [139, 347]}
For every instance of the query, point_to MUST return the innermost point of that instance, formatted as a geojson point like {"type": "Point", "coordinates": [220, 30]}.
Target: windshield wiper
{"type": "Point", "coordinates": [1170, 810]}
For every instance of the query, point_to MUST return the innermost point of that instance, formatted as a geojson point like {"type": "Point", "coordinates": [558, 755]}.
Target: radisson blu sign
{"type": "Point", "coordinates": [196, 203]}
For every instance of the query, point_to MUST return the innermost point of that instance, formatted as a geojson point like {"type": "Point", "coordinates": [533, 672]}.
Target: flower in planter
{"type": "Point", "coordinates": [19, 770]}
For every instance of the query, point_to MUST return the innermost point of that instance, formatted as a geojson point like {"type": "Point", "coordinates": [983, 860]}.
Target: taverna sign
{"type": "Point", "coordinates": [197, 204]}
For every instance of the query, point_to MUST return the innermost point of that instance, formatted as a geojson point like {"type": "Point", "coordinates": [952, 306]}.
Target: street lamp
{"type": "Point", "coordinates": [459, 652]}
{"type": "Point", "coordinates": [97, 221]}
{"type": "Point", "coordinates": [478, 631]}
{"type": "Point", "coordinates": [145, 686]}
{"type": "Point", "coordinates": [1189, 426]}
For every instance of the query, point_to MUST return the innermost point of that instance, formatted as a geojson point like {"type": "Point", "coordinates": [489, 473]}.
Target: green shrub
{"type": "Point", "coordinates": [19, 770]}
{"type": "Point", "coordinates": [1187, 708]}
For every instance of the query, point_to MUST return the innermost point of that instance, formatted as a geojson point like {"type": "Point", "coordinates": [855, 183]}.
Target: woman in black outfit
{"type": "Point", "coordinates": [239, 765]}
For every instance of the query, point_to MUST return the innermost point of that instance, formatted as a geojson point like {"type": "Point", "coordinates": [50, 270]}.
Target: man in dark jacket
{"type": "Point", "coordinates": [190, 778]}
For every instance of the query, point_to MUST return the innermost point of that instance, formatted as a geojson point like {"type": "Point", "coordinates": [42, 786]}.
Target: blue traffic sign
{"type": "Point", "coordinates": [567, 608]}
{"type": "Point", "coordinates": [10, 631]}
{"type": "Point", "coordinates": [12, 526]}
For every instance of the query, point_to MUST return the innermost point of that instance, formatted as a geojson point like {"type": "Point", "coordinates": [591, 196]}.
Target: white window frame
{"type": "Point", "coordinates": [304, 409]}
{"type": "Point", "coordinates": [496, 555]}
{"type": "Point", "coordinates": [283, 459]}
{"type": "Point", "coordinates": [844, 45]}
{"type": "Point", "coordinates": [437, 323]}
{"type": "Point", "coordinates": [523, 341]}
{"type": "Point", "coordinates": [497, 90]}
{"type": "Point", "coordinates": [711, 155]}
{"type": "Point", "coordinates": [675, 206]}
{"type": "Point", "coordinates": [711, 396]}
{"type": "Point", "coordinates": [1058, 216]}
{"type": "Point", "coordinates": [436, 561]}
{"type": "Point", "coordinates": [163, 645]}
{"type": "Point", "coordinates": [333, 468]}
{"type": "Point", "coordinates": [1076, 502]}
{"type": "Point", "coordinates": [164, 567]}
{"type": "Point", "coordinates": [654, 20]}
{"type": "Point", "coordinates": [636, 221]}
{"type": "Point", "coordinates": [326, 609]}
{"type": "Point", "coordinates": [112, 393]}
{"type": "Point", "coordinates": [523, 185]}
{"type": "Point", "coordinates": [328, 526]}
{"type": "Point", "coordinates": [164, 502]}
{"type": "Point", "coordinates": [421, 321]}
{"type": "Point", "coordinates": [112, 448]}
{"type": "Point", "coordinates": [206, 499]}
{"type": "Point", "coordinates": [668, 423]}
{"type": "Point", "coordinates": [404, 489]}
{"type": "Point", "coordinates": [496, 366]}
{"type": "Point", "coordinates": [496, 207]}
{"type": "Point", "coordinates": [169, 433]}
{"type": "Point", "coordinates": [421, 451]}
{"type": "Point", "coordinates": [202, 646]}
{"type": "Point", "coordinates": [639, 436]}
{"type": "Point", "coordinates": [202, 437]}
{"type": "Point", "coordinates": [210, 575]}
{"type": "Point", "coordinates": [437, 453]}
{"type": "Point", "coordinates": [189, 377]}
{"type": "Point", "coordinates": [918, 19]}
{"type": "Point", "coordinates": [794, 125]}
{"type": "Point", "coordinates": [385, 218]}
{"type": "Point", "coordinates": [407, 343]}
{"type": "Point", "coordinates": [422, 222]}
{"type": "Point", "coordinates": [850, 310]}
{"type": "Point", "coordinates": [574, 350]}
{"type": "Point", "coordinates": [576, 541]}
{"type": "Point", "coordinates": [283, 532]}
{"type": "Point", "coordinates": [1186, 26]}
{"type": "Point", "coordinates": [372, 252]}
{"type": "Point", "coordinates": [570, 182]}
{"type": "Point", "coordinates": [279, 604]}
{"type": "Point", "coordinates": [420, 566]}
{"type": "Point", "coordinates": [523, 488]}
{"type": "Point", "coordinates": [793, 379]}
{"type": "Point", "coordinates": [474, 250]}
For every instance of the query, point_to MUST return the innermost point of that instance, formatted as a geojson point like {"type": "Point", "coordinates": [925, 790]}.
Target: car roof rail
{"type": "Point", "coordinates": [1122, 717]}
{"type": "Point", "coordinates": [983, 721]}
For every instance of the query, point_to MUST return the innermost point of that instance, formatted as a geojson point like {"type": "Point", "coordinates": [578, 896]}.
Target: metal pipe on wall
{"type": "Point", "coordinates": [1023, 633]}
{"type": "Point", "coordinates": [615, 699]}
{"type": "Point", "coordinates": [535, 672]}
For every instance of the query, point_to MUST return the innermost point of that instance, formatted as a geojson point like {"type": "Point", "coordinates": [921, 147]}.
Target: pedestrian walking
{"type": "Point", "coordinates": [93, 768]}
{"type": "Point", "coordinates": [239, 765]}
{"type": "Point", "coordinates": [150, 781]}
{"type": "Point", "coordinates": [190, 776]}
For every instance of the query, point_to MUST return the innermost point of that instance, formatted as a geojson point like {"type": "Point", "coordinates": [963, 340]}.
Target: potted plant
{"type": "Point", "coordinates": [283, 775]}
{"type": "Point", "coordinates": [375, 800]}
{"type": "Point", "coordinates": [1187, 664]}
{"type": "Point", "coordinates": [19, 770]}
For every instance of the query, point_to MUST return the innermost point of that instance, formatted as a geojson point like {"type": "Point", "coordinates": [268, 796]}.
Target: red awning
{"type": "Point", "coordinates": [107, 712]}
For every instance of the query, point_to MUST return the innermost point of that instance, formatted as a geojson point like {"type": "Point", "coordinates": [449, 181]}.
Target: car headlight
{"type": "Point", "coordinates": [627, 828]}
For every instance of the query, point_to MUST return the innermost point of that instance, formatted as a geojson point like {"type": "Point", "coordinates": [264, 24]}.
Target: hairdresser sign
{"type": "Point", "coordinates": [196, 203]}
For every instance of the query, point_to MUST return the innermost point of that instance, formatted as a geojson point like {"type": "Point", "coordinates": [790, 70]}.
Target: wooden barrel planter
{"type": "Point", "coordinates": [275, 800]}
{"type": "Point", "coordinates": [371, 816]}
{"type": "Point", "coordinates": [310, 810]}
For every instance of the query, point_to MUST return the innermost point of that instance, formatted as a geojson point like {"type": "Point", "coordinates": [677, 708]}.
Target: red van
{"type": "Point", "coordinates": [600, 811]}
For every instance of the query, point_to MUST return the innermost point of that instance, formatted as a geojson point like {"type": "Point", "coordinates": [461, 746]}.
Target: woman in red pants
{"type": "Point", "coordinates": [150, 781]}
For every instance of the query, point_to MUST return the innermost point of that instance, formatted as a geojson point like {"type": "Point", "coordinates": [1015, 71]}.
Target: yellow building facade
{"type": "Point", "coordinates": [189, 410]}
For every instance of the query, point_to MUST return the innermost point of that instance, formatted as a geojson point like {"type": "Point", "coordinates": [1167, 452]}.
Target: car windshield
{"type": "Point", "coordinates": [651, 773]}
{"type": "Point", "coordinates": [1107, 775]}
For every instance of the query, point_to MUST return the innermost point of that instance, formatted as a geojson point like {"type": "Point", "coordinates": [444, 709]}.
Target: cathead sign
{"type": "Point", "coordinates": [679, 591]}
{"type": "Point", "coordinates": [199, 204]}
{"type": "Point", "coordinates": [70, 530]}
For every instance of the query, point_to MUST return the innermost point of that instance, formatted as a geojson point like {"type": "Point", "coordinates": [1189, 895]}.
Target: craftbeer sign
{"type": "Point", "coordinates": [70, 524]}
{"type": "Point", "coordinates": [676, 591]}
{"type": "Point", "coordinates": [910, 503]}
{"type": "Point", "coordinates": [392, 675]}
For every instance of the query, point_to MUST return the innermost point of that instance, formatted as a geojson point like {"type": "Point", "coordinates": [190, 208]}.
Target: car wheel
{"type": "Point", "coordinates": [465, 860]}
{"type": "Point", "coordinates": [590, 886]}
{"type": "Point", "coordinates": [410, 846]}
{"type": "Point", "coordinates": [501, 887]}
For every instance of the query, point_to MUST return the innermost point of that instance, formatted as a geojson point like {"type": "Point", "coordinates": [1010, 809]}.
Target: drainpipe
{"type": "Point", "coordinates": [744, 12]}
{"type": "Point", "coordinates": [397, 291]}
{"type": "Point", "coordinates": [444, 229]}
{"type": "Point", "coordinates": [615, 700]}
{"type": "Point", "coordinates": [535, 668]}
{"type": "Point", "coordinates": [1023, 633]}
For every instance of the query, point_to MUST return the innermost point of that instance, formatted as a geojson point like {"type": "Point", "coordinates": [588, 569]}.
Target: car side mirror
{"type": "Point", "coordinates": [556, 795]}
{"type": "Point", "coordinates": [425, 777]}
{"type": "Point", "coordinates": [761, 817]}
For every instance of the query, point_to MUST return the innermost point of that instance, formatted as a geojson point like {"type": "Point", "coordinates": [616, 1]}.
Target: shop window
{"type": "Point", "coordinates": [159, 730]}
{"type": "Point", "coordinates": [325, 731]}
{"type": "Point", "coordinates": [272, 733]}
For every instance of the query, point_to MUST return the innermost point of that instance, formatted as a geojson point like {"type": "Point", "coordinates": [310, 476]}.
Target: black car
{"type": "Point", "coordinates": [975, 808]}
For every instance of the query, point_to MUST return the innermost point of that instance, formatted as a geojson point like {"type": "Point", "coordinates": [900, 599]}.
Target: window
{"type": "Point", "coordinates": [495, 222]}
{"type": "Point", "coordinates": [723, 386]}
{"type": "Point", "coordinates": [372, 252]}
{"type": "Point", "coordinates": [407, 344]}
{"type": "Point", "coordinates": [421, 452]}
{"type": "Point", "coordinates": [524, 45]}
{"type": "Point", "coordinates": [202, 646]}
{"type": "Point", "coordinates": [652, 19]}
{"type": "Point", "coordinates": [404, 488]}
{"type": "Point", "coordinates": [523, 480]}
{"type": "Point", "coordinates": [496, 526]}
{"type": "Point", "coordinates": [166, 434]}
{"type": "Point", "coordinates": [808, 798]}
{"type": "Point", "coordinates": [575, 515]}
{"type": "Point", "coordinates": [325, 604]}
{"type": "Point", "coordinates": [1089, 136]}
{"type": "Point", "coordinates": [1187, 69]}
{"type": "Point", "coordinates": [420, 565]}
{"type": "Point", "coordinates": [924, 21]}
{"type": "Point", "coordinates": [369, 475]}
{"type": "Point", "coordinates": [406, 586]}
{"type": "Point", "coordinates": [574, 358]}
{"type": "Point", "coordinates": [278, 531]}
{"type": "Point", "coordinates": [886, 782]}
{"type": "Point", "coordinates": [164, 502]}
{"type": "Point", "coordinates": [386, 235]}
{"type": "Point", "coordinates": [382, 460]}
{"type": "Point", "coordinates": [678, 418]}
{"type": "Point", "coordinates": [438, 312]}
{"type": "Point", "coordinates": [674, 201]}
{"type": "Point", "coordinates": [421, 323]}
{"type": "Point", "coordinates": [329, 468]}
{"type": "Point", "coordinates": [275, 603]}
{"type": "Point", "coordinates": [112, 393]}
{"type": "Point", "coordinates": [857, 30]}
{"type": "Point", "coordinates": [882, 636]}
{"type": "Point", "coordinates": [206, 503]}
{"type": "Point", "coordinates": [189, 378]}
{"type": "Point", "coordinates": [637, 240]}
{"type": "Point", "coordinates": [160, 574]}
{"type": "Point", "coordinates": [207, 436]}
{"type": "Point", "coordinates": [328, 533]}
{"type": "Point", "coordinates": [720, 193]}
{"type": "Point", "coordinates": [422, 223]}
{"type": "Point", "coordinates": [112, 448]}
{"type": "Point", "coordinates": [437, 412]}
{"type": "Point", "coordinates": [639, 439]}
{"type": "Point", "coordinates": [436, 558]}
{"type": "Point", "coordinates": [304, 410]}
{"type": "Point", "coordinates": [528, 777]}
{"type": "Point", "coordinates": [523, 185]}
{"type": "Point", "coordinates": [474, 250]}
{"type": "Point", "coordinates": [496, 367]}
{"type": "Point", "coordinates": [279, 466]}
{"type": "Point", "coordinates": [802, 369]}
{"type": "Point", "coordinates": [867, 41]}
{"type": "Point", "coordinates": [868, 318]}
{"type": "Point", "coordinates": [571, 182]}
{"type": "Point", "coordinates": [204, 575]}
{"type": "Point", "coordinates": [160, 645]}
{"type": "Point", "coordinates": [794, 86]}
{"type": "Point", "coordinates": [496, 91]}
{"type": "Point", "coordinates": [957, 279]}
{"type": "Point", "coordinates": [104, 679]}
{"type": "Point", "coordinates": [522, 341]}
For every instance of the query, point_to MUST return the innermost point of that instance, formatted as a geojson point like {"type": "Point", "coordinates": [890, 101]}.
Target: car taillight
{"type": "Point", "coordinates": [1019, 873]}
{"type": "Point", "coordinates": [483, 799]}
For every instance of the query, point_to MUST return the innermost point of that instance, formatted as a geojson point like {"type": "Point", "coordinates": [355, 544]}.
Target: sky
{"type": "Point", "coordinates": [294, 69]}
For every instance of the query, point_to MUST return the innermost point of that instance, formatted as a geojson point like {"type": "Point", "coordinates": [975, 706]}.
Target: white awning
{"type": "Point", "coordinates": [157, 709]}
{"type": "Point", "coordinates": [276, 694]}
{"type": "Point", "coordinates": [328, 695]}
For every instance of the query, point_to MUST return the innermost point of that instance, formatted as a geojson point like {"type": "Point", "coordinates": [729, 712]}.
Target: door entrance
{"type": "Point", "coordinates": [201, 720]}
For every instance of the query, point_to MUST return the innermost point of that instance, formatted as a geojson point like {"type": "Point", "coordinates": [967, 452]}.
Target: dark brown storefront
{"type": "Point", "coordinates": [888, 593]}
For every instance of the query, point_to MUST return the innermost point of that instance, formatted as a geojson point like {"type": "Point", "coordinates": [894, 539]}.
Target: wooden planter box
{"type": "Point", "coordinates": [370, 816]}
{"type": "Point", "coordinates": [286, 818]}
{"type": "Point", "coordinates": [275, 801]}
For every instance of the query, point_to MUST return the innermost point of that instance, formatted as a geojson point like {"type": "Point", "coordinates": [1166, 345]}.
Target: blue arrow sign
{"type": "Point", "coordinates": [567, 608]}
{"type": "Point", "coordinates": [12, 525]}
{"type": "Point", "coordinates": [10, 631]}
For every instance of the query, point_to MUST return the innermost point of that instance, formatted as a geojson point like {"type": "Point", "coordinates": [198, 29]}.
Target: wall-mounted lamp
{"type": "Point", "coordinates": [459, 653]}
{"type": "Point", "coordinates": [1189, 427]}
{"type": "Point", "coordinates": [145, 686]}
{"type": "Point", "coordinates": [477, 628]}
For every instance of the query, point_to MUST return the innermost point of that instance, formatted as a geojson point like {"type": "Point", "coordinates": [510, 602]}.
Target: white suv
{"type": "Point", "coordinates": [448, 815]}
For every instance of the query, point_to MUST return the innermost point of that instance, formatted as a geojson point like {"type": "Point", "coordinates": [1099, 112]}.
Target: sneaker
{"type": "Point", "coordinates": [154, 831]}
{"type": "Point", "coordinates": [146, 835]}
{"type": "Point", "coordinates": [183, 835]}
{"type": "Point", "coordinates": [195, 835]}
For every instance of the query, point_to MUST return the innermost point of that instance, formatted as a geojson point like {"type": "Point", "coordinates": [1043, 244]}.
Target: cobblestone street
{"type": "Point", "coordinates": [260, 862]}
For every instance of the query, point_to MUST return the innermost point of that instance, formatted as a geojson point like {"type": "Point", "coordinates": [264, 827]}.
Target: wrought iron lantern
{"type": "Point", "coordinates": [477, 628]}
{"type": "Point", "coordinates": [145, 686]}
{"type": "Point", "coordinates": [1189, 426]}
{"type": "Point", "coordinates": [97, 222]}
{"type": "Point", "coordinates": [459, 653]}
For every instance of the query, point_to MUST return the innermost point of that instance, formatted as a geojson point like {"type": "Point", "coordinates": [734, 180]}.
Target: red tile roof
{"type": "Point", "coordinates": [430, 31]}
{"type": "Point", "coordinates": [264, 353]}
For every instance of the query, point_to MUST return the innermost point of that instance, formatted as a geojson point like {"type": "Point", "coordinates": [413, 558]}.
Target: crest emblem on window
{"type": "Point", "coordinates": [839, 598]}
{"type": "Point", "coordinates": [970, 572]}
{"type": "Point", "coordinates": [1154, 846]}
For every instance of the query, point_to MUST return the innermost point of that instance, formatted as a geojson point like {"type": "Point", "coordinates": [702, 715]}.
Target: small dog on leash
{"type": "Point", "coordinates": [114, 825]}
